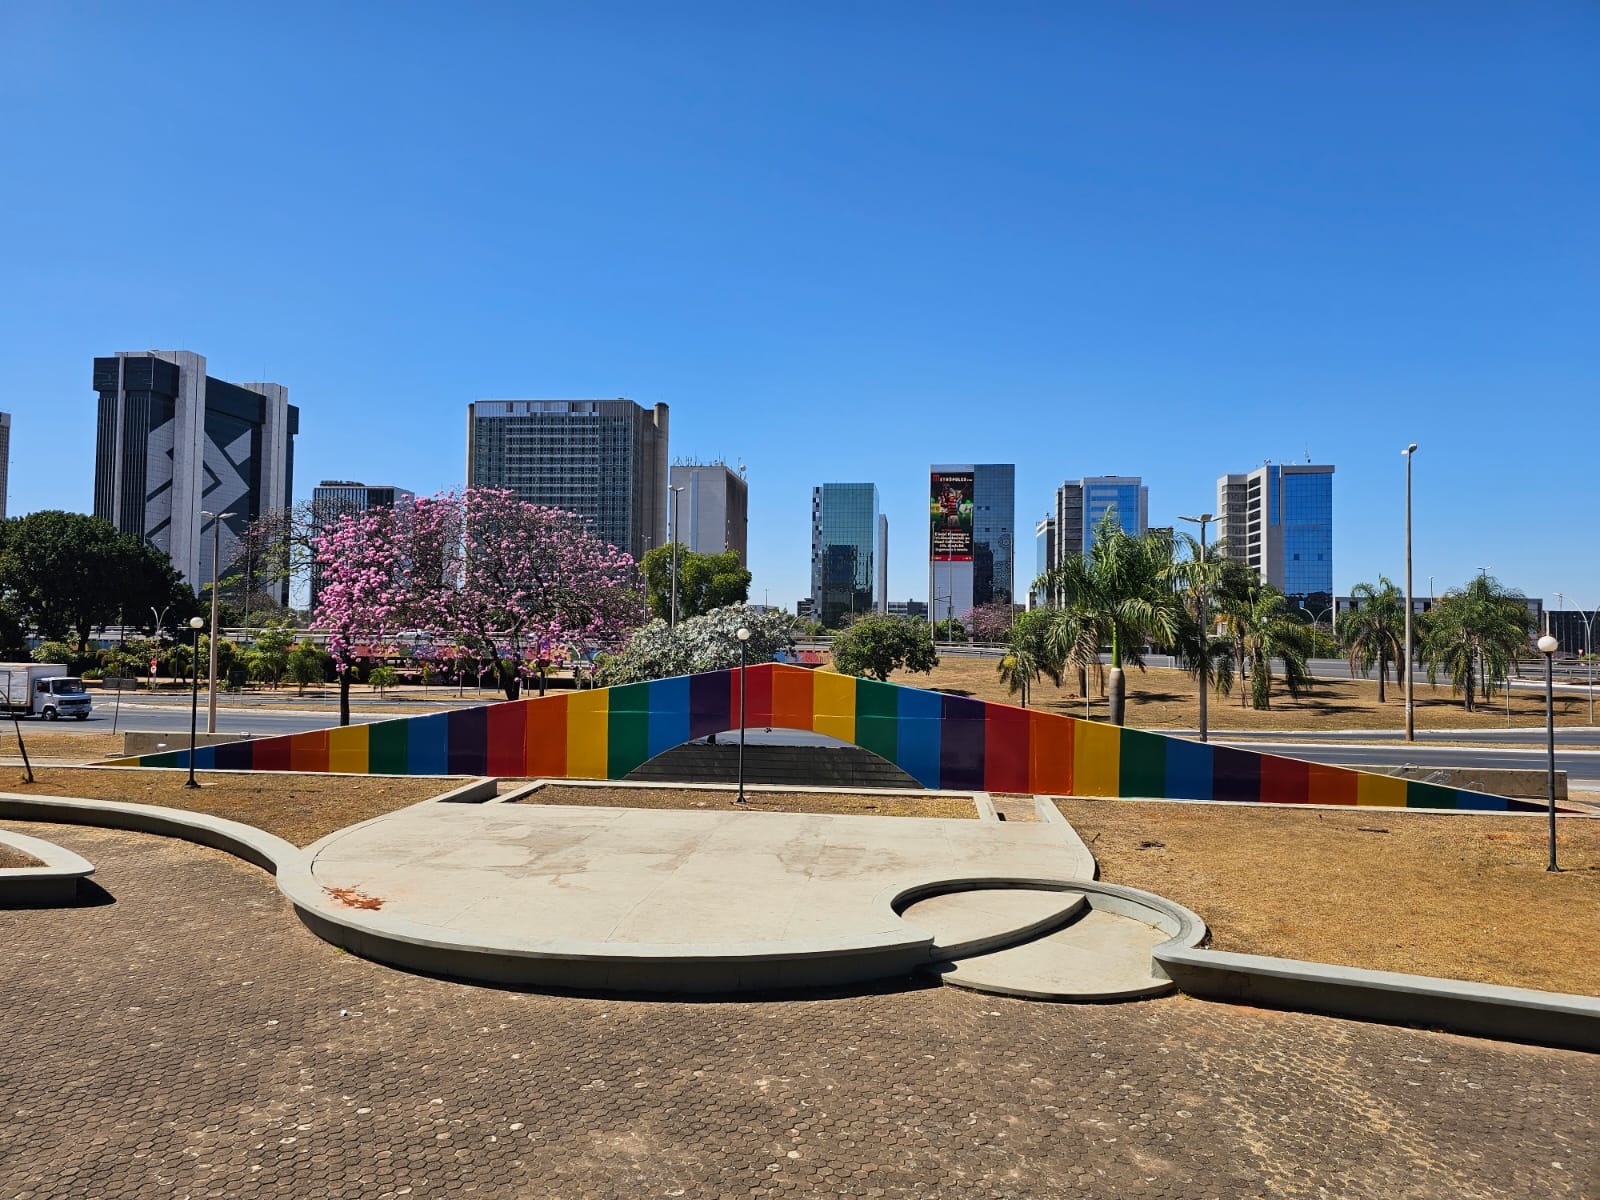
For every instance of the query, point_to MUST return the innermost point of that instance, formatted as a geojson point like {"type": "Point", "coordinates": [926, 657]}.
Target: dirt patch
{"type": "Point", "coordinates": [82, 747]}
{"type": "Point", "coordinates": [11, 858]}
{"type": "Point", "coordinates": [1161, 698]}
{"type": "Point", "coordinates": [862, 804]}
{"type": "Point", "coordinates": [298, 808]}
{"type": "Point", "coordinates": [1464, 897]}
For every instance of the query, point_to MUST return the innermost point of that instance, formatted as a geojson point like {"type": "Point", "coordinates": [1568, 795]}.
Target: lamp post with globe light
{"type": "Point", "coordinates": [196, 624]}
{"type": "Point", "coordinates": [743, 634]}
{"type": "Point", "coordinates": [1547, 647]}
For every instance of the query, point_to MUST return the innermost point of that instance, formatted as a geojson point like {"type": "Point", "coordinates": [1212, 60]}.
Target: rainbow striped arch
{"type": "Point", "coordinates": [942, 741]}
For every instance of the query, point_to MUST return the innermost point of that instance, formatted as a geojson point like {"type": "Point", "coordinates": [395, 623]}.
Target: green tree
{"type": "Point", "coordinates": [877, 646]}
{"type": "Point", "coordinates": [705, 581]}
{"type": "Point", "coordinates": [1030, 653]}
{"type": "Point", "coordinates": [57, 652]}
{"type": "Point", "coordinates": [1119, 593]}
{"type": "Point", "coordinates": [1374, 632]}
{"type": "Point", "coordinates": [65, 573]}
{"type": "Point", "coordinates": [1203, 579]}
{"type": "Point", "coordinates": [307, 664]}
{"type": "Point", "coordinates": [1476, 634]}
{"type": "Point", "coordinates": [950, 630]}
{"type": "Point", "coordinates": [269, 656]}
{"type": "Point", "coordinates": [383, 678]}
{"type": "Point", "coordinates": [1263, 627]}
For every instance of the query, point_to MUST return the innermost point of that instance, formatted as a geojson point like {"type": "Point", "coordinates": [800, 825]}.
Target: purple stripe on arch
{"type": "Point", "coordinates": [961, 744]}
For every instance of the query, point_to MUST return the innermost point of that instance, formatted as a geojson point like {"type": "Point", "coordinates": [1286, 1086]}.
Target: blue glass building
{"type": "Point", "coordinates": [844, 550]}
{"type": "Point", "coordinates": [1278, 519]}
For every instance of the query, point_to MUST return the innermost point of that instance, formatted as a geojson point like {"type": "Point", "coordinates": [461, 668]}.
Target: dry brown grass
{"type": "Point", "coordinates": [82, 747]}
{"type": "Point", "coordinates": [298, 808]}
{"type": "Point", "coordinates": [867, 804]}
{"type": "Point", "coordinates": [12, 858]}
{"type": "Point", "coordinates": [1459, 896]}
{"type": "Point", "coordinates": [1161, 698]}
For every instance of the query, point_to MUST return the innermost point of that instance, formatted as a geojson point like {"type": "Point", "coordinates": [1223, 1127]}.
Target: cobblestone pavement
{"type": "Point", "coordinates": [193, 1039]}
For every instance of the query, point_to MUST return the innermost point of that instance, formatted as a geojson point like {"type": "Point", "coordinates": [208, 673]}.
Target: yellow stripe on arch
{"type": "Point", "coordinates": [347, 749]}
{"type": "Point", "coordinates": [833, 705]}
{"type": "Point", "coordinates": [588, 721]}
{"type": "Point", "coordinates": [1096, 759]}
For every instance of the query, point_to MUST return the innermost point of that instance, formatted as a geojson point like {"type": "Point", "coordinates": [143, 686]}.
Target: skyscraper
{"type": "Point", "coordinates": [173, 441]}
{"type": "Point", "coordinates": [714, 508]}
{"type": "Point", "coordinates": [333, 498]}
{"type": "Point", "coordinates": [5, 460]}
{"type": "Point", "coordinates": [1279, 521]}
{"type": "Point", "coordinates": [971, 537]}
{"type": "Point", "coordinates": [844, 536]}
{"type": "Point", "coordinates": [605, 460]}
{"type": "Point", "coordinates": [1044, 556]}
{"type": "Point", "coordinates": [1081, 503]}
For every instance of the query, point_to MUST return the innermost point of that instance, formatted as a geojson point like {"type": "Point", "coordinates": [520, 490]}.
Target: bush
{"type": "Point", "coordinates": [877, 646]}
{"type": "Point", "coordinates": [706, 643]}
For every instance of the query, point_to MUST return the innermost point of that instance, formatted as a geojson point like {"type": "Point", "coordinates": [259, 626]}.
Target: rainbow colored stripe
{"type": "Point", "coordinates": [942, 741]}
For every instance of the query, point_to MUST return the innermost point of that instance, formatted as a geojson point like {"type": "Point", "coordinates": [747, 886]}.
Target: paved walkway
{"type": "Point", "coordinates": [192, 1039]}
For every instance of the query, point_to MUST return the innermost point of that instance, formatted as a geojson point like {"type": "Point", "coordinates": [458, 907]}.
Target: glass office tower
{"type": "Point", "coordinates": [844, 550]}
{"type": "Point", "coordinates": [1279, 521]}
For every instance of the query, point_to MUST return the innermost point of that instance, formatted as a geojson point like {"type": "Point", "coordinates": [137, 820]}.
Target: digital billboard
{"type": "Point", "coordinates": [950, 515]}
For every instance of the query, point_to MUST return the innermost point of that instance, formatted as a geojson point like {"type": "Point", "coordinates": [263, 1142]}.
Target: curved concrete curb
{"type": "Point", "coordinates": [1184, 929]}
{"type": "Point", "coordinates": [1486, 1010]}
{"type": "Point", "coordinates": [54, 881]}
{"type": "Point", "coordinates": [256, 846]}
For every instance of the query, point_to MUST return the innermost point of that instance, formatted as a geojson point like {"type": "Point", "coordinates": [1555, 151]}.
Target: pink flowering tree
{"type": "Point", "coordinates": [990, 622]}
{"type": "Point", "coordinates": [364, 590]}
{"type": "Point", "coordinates": [516, 586]}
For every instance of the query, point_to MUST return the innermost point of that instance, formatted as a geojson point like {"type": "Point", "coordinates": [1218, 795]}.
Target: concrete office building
{"type": "Point", "coordinates": [334, 498]}
{"type": "Point", "coordinates": [713, 507]}
{"type": "Point", "coordinates": [845, 550]}
{"type": "Point", "coordinates": [605, 460]}
{"type": "Point", "coordinates": [173, 441]}
{"type": "Point", "coordinates": [1082, 503]}
{"type": "Point", "coordinates": [1278, 520]}
{"type": "Point", "coordinates": [883, 564]}
{"type": "Point", "coordinates": [971, 537]}
{"type": "Point", "coordinates": [5, 461]}
{"type": "Point", "coordinates": [1044, 557]}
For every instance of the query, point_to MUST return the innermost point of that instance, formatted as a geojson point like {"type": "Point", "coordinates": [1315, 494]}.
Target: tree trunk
{"type": "Point", "coordinates": [1083, 683]}
{"type": "Point", "coordinates": [1383, 677]}
{"type": "Point", "coordinates": [1118, 696]}
{"type": "Point", "coordinates": [510, 681]}
{"type": "Point", "coordinates": [344, 696]}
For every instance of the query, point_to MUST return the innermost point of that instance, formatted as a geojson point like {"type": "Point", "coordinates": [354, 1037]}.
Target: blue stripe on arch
{"type": "Point", "coordinates": [918, 735]}
{"type": "Point", "coordinates": [427, 745]}
{"type": "Point", "coordinates": [669, 714]}
{"type": "Point", "coordinates": [1188, 770]}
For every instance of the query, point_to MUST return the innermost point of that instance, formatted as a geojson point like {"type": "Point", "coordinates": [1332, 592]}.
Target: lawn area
{"type": "Point", "coordinates": [1459, 896]}
{"type": "Point", "coordinates": [1161, 698]}
{"type": "Point", "coordinates": [859, 804]}
{"type": "Point", "coordinates": [298, 808]}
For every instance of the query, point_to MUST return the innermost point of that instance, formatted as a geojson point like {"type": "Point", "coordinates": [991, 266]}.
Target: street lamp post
{"type": "Point", "coordinates": [196, 624]}
{"type": "Point", "coordinates": [1203, 520]}
{"type": "Point", "coordinates": [672, 623]}
{"type": "Point", "coordinates": [161, 620]}
{"type": "Point", "coordinates": [216, 554]}
{"type": "Point", "coordinates": [743, 635]}
{"type": "Point", "coordinates": [1411, 716]}
{"type": "Point", "coordinates": [1547, 647]}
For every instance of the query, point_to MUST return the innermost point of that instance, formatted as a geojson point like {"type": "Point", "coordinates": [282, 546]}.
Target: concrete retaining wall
{"type": "Point", "coordinates": [1497, 781]}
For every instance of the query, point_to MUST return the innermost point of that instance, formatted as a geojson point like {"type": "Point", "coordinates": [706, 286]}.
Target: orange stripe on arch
{"type": "Point", "coordinates": [792, 697]}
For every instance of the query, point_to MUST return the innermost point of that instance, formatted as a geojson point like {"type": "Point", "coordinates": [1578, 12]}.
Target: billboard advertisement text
{"type": "Point", "coordinates": [950, 515]}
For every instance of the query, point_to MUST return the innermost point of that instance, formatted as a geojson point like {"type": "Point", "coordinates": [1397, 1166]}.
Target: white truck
{"type": "Point", "coordinates": [43, 690]}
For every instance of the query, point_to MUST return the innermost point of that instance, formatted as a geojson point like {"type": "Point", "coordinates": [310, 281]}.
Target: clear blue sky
{"type": "Point", "coordinates": [844, 241]}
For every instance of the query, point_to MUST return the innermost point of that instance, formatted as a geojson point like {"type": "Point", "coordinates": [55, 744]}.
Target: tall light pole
{"type": "Point", "coordinates": [216, 554]}
{"type": "Point", "coordinates": [743, 635]}
{"type": "Point", "coordinates": [195, 624]}
{"type": "Point", "coordinates": [672, 622]}
{"type": "Point", "coordinates": [1203, 520]}
{"type": "Point", "coordinates": [1411, 716]}
{"type": "Point", "coordinates": [1547, 647]}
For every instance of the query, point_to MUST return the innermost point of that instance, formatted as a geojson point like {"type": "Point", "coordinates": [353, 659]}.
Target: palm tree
{"type": "Point", "coordinates": [1117, 593]}
{"type": "Point", "coordinates": [1476, 633]}
{"type": "Point", "coordinates": [1375, 631]}
{"type": "Point", "coordinates": [1030, 653]}
{"type": "Point", "coordinates": [1200, 579]}
{"type": "Point", "coordinates": [1263, 627]}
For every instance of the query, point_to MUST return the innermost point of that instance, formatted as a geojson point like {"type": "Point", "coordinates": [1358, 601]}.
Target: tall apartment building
{"type": "Point", "coordinates": [334, 498]}
{"type": "Point", "coordinates": [5, 460]}
{"type": "Point", "coordinates": [971, 537]}
{"type": "Point", "coordinates": [173, 441]}
{"type": "Point", "coordinates": [845, 550]}
{"type": "Point", "coordinates": [1279, 521]}
{"type": "Point", "coordinates": [1082, 503]}
{"type": "Point", "coordinates": [713, 506]}
{"type": "Point", "coordinates": [605, 460]}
